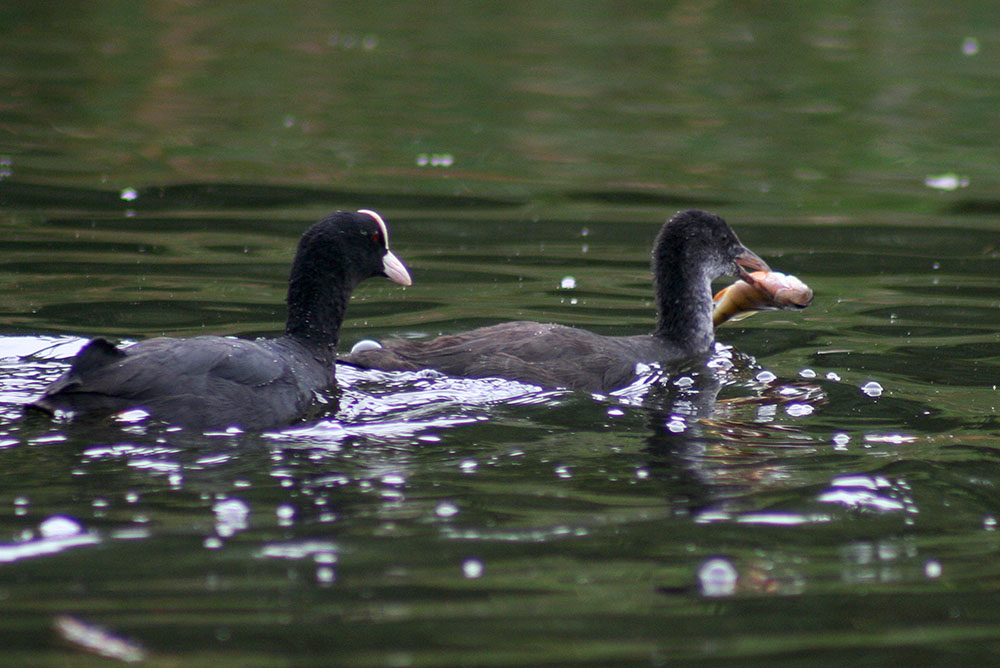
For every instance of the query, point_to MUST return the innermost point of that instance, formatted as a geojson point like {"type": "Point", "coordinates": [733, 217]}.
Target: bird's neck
{"type": "Point", "coordinates": [316, 306]}
{"type": "Point", "coordinates": [684, 301]}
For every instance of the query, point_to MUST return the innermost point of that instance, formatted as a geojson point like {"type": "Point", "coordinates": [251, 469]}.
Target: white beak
{"type": "Point", "coordinates": [395, 270]}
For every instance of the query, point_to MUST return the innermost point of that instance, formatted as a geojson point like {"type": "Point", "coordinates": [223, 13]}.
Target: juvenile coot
{"type": "Point", "coordinates": [692, 249]}
{"type": "Point", "coordinates": [214, 381]}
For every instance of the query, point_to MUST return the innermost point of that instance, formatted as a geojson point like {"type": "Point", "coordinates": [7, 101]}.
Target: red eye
{"type": "Point", "coordinates": [376, 237]}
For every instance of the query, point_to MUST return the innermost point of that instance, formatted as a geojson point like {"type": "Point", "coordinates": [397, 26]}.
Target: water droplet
{"type": "Point", "coordinates": [230, 516]}
{"type": "Point", "coordinates": [807, 373]}
{"type": "Point", "coordinates": [468, 465]}
{"type": "Point", "coordinates": [970, 46]}
{"type": "Point", "coordinates": [832, 375]}
{"type": "Point", "coordinates": [567, 283]}
{"type": "Point", "coordinates": [798, 410]}
{"type": "Point", "coordinates": [932, 568]}
{"type": "Point", "coordinates": [718, 577]}
{"type": "Point", "coordinates": [949, 181]}
{"type": "Point", "coordinates": [676, 424]}
{"type": "Point", "coordinates": [446, 509]}
{"type": "Point", "coordinates": [872, 389]}
{"type": "Point", "coordinates": [129, 194]}
{"type": "Point", "coordinates": [59, 526]}
{"type": "Point", "coordinates": [393, 479]}
{"type": "Point", "coordinates": [472, 568]}
{"type": "Point", "coordinates": [765, 377]}
{"type": "Point", "coordinates": [285, 514]}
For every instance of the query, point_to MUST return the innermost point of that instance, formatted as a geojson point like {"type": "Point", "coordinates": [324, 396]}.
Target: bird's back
{"type": "Point", "coordinates": [197, 382]}
{"type": "Point", "coordinates": [541, 354]}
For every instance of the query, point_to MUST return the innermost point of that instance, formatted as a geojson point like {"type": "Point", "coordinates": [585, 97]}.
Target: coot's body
{"type": "Point", "coordinates": [212, 381]}
{"type": "Point", "coordinates": [201, 382]}
{"type": "Point", "coordinates": [692, 249]}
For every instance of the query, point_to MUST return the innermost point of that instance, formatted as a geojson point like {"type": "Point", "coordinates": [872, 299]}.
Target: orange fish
{"type": "Point", "coordinates": [770, 290]}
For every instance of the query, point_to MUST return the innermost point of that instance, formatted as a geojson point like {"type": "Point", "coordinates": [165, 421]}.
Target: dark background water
{"type": "Point", "coordinates": [826, 495]}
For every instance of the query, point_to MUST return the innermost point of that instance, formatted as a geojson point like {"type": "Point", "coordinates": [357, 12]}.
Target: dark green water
{"type": "Point", "coordinates": [825, 495]}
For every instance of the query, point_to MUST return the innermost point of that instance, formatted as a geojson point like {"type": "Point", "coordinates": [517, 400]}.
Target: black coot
{"type": "Point", "coordinates": [214, 381]}
{"type": "Point", "coordinates": [692, 249]}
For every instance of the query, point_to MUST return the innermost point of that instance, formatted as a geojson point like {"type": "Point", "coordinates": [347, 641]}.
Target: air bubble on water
{"type": "Point", "coordinates": [59, 526]}
{"type": "Point", "coordinates": [393, 479]}
{"type": "Point", "coordinates": [718, 577]}
{"type": "Point", "coordinates": [446, 509]}
{"type": "Point", "coordinates": [872, 389]}
{"type": "Point", "coordinates": [798, 410]}
{"type": "Point", "coordinates": [765, 377]}
{"type": "Point", "coordinates": [676, 424]}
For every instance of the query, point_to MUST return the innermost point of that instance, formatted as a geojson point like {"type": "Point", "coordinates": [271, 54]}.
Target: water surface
{"type": "Point", "coordinates": [823, 493]}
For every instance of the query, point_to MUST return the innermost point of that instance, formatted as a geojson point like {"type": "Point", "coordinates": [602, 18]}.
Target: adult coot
{"type": "Point", "coordinates": [214, 381]}
{"type": "Point", "coordinates": [692, 249]}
